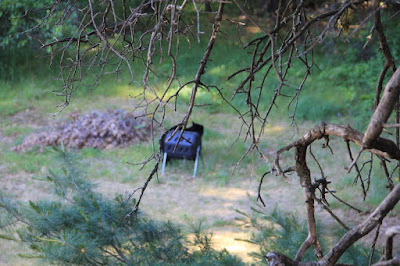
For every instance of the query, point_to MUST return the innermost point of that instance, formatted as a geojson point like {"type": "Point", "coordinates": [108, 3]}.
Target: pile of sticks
{"type": "Point", "coordinates": [102, 130]}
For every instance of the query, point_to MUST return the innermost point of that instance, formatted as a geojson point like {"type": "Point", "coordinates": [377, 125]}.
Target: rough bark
{"type": "Point", "coordinates": [388, 250]}
{"type": "Point", "coordinates": [349, 238]}
{"type": "Point", "coordinates": [383, 44]}
{"type": "Point", "coordinates": [278, 259]}
{"type": "Point", "coordinates": [380, 146]}
{"type": "Point", "coordinates": [364, 228]}
{"type": "Point", "coordinates": [383, 110]}
{"type": "Point", "coordinates": [305, 181]}
{"type": "Point", "coordinates": [392, 262]}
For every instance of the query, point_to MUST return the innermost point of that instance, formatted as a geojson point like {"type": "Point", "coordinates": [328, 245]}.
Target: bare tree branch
{"type": "Point", "coordinates": [383, 110]}
{"type": "Point", "coordinates": [107, 39]}
{"type": "Point", "coordinates": [364, 228]}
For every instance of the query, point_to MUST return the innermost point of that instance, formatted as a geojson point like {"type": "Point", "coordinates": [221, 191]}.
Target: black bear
{"type": "Point", "coordinates": [187, 147]}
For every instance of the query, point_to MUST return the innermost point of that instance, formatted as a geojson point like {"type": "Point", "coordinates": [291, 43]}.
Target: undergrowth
{"type": "Point", "coordinates": [283, 232]}
{"type": "Point", "coordinates": [340, 89]}
{"type": "Point", "coordinates": [80, 226]}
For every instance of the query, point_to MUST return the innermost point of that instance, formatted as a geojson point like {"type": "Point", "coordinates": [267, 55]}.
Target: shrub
{"type": "Point", "coordinates": [284, 232]}
{"type": "Point", "coordinates": [82, 227]}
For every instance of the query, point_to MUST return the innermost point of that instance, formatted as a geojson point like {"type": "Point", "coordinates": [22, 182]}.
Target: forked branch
{"type": "Point", "coordinates": [381, 147]}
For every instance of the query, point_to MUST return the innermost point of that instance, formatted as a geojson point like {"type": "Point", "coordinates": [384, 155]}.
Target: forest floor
{"type": "Point", "coordinates": [212, 198]}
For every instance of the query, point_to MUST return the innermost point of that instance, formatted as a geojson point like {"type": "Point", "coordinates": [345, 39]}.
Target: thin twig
{"type": "Point", "coordinates": [259, 197]}
{"type": "Point", "coordinates": [334, 216]}
{"type": "Point", "coordinates": [372, 250]}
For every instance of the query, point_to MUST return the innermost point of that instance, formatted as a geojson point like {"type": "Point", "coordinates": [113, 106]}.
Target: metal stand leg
{"type": "Point", "coordinates": [196, 161]}
{"type": "Point", "coordinates": [164, 162]}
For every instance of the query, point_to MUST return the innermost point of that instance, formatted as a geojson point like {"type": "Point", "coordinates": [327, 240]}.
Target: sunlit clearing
{"type": "Point", "coordinates": [186, 93]}
{"type": "Point", "coordinates": [275, 129]}
{"type": "Point", "coordinates": [253, 29]}
{"type": "Point", "coordinates": [217, 70]}
{"type": "Point", "coordinates": [228, 240]}
{"type": "Point", "coordinates": [126, 90]}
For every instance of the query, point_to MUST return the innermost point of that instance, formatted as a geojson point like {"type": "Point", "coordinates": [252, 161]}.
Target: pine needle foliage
{"type": "Point", "coordinates": [284, 232]}
{"type": "Point", "coordinates": [81, 226]}
{"type": "Point", "coordinates": [274, 231]}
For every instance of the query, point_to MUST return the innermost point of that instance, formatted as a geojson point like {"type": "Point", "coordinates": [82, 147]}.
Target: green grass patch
{"type": "Point", "coordinates": [91, 153]}
{"type": "Point", "coordinates": [16, 130]}
{"type": "Point", "coordinates": [11, 107]}
{"type": "Point", "coordinates": [30, 162]}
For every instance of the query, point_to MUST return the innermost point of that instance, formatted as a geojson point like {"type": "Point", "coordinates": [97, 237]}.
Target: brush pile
{"type": "Point", "coordinates": [102, 130]}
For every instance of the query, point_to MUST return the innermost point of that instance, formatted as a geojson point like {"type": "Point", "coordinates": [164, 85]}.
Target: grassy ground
{"type": "Point", "coordinates": [212, 198]}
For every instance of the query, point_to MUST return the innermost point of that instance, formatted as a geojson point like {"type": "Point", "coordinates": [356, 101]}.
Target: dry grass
{"type": "Point", "coordinates": [212, 198]}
